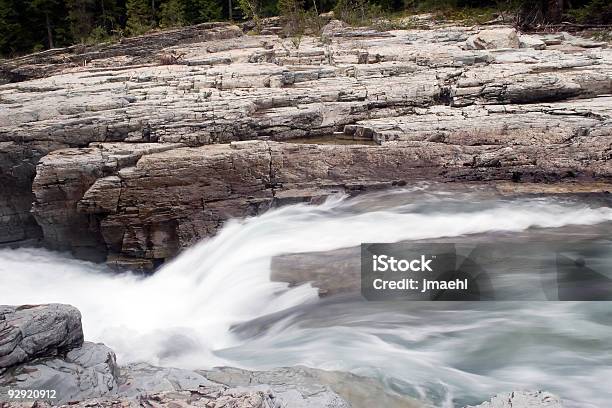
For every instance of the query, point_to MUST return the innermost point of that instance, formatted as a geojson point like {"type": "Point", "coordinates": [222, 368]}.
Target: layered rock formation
{"type": "Point", "coordinates": [132, 51]}
{"type": "Point", "coordinates": [28, 332]}
{"type": "Point", "coordinates": [129, 161]}
{"type": "Point", "coordinates": [42, 347]}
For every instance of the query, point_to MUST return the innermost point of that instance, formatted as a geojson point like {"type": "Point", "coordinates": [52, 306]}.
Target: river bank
{"type": "Point", "coordinates": [114, 154]}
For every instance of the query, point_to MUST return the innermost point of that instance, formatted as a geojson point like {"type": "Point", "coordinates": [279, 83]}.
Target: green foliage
{"type": "Point", "coordinates": [45, 12]}
{"type": "Point", "coordinates": [466, 11]}
{"type": "Point", "coordinates": [423, 6]}
{"type": "Point", "coordinates": [139, 16]}
{"type": "Point", "coordinates": [172, 14]}
{"type": "Point", "coordinates": [602, 36]}
{"type": "Point", "coordinates": [81, 16]}
{"type": "Point", "coordinates": [356, 12]}
{"type": "Point", "coordinates": [290, 9]}
{"type": "Point", "coordinates": [30, 25]}
{"type": "Point", "coordinates": [292, 13]}
{"type": "Point", "coordinates": [596, 12]}
{"type": "Point", "coordinates": [250, 9]}
{"type": "Point", "coordinates": [468, 15]}
{"type": "Point", "coordinates": [100, 35]}
{"type": "Point", "coordinates": [201, 11]}
{"type": "Point", "coordinates": [13, 36]}
{"type": "Point", "coordinates": [313, 22]}
{"type": "Point", "coordinates": [298, 21]}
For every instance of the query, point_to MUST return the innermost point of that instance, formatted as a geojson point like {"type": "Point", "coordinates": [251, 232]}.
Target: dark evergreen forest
{"type": "Point", "coordinates": [34, 25]}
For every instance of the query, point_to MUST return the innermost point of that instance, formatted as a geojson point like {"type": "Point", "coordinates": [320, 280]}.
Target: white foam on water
{"type": "Point", "coordinates": [182, 315]}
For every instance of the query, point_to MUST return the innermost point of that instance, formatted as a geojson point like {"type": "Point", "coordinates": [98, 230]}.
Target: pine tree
{"type": "Point", "coordinates": [81, 14]}
{"type": "Point", "coordinates": [111, 13]}
{"type": "Point", "coordinates": [172, 13]}
{"type": "Point", "coordinates": [201, 11]}
{"type": "Point", "coordinates": [139, 16]}
{"type": "Point", "coordinates": [554, 10]}
{"type": "Point", "coordinates": [48, 10]}
{"type": "Point", "coordinates": [12, 36]}
{"type": "Point", "coordinates": [92, 20]}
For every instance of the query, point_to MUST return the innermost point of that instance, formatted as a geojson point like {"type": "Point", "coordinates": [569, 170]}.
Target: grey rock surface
{"type": "Point", "coordinates": [28, 332]}
{"type": "Point", "coordinates": [305, 387]}
{"type": "Point", "coordinates": [493, 38]}
{"type": "Point", "coordinates": [524, 399]}
{"type": "Point", "coordinates": [290, 387]}
{"type": "Point", "coordinates": [42, 348]}
{"type": "Point", "coordinates": [128, 51]}
{"type": "Point", "coordinates": [206, 397]}
{"type": "Point", "coordinates": [89, 376]}
{"type": "Point", "coordinates": [88, 371]}
{"type": "Point", "coordinates": [531, 41]}
{"type": "Point", "coordinates": [139, 379]}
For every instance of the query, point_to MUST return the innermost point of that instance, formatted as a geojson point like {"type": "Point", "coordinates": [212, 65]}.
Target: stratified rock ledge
{"type": "Point", "coordinates": [122, 154]}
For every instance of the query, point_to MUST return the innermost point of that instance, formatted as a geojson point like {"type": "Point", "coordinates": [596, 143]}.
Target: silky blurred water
{"type": "Point", "coordinates": [216, 305]}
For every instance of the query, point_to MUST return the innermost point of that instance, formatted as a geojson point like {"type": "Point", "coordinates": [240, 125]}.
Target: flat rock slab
{"type": "Point", "coordinates": [92, 381]}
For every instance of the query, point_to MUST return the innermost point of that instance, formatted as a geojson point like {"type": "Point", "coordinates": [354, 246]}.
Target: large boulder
{"type": "Point", "coordinates": [28, 332]}
{"type": "Point", "coordinates": [42, 348]}
{"type": "Point", "coordinates": [492, 39]}
{"type": "Point", "coordinates": [531, 41]}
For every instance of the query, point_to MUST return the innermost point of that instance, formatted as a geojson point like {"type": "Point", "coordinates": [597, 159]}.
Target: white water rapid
{"type": "Point", "coordinates": [183, 315]}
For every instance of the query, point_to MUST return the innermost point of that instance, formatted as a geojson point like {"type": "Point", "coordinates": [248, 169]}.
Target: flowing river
{"type": "Point", "coordinates": [215, 304]}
